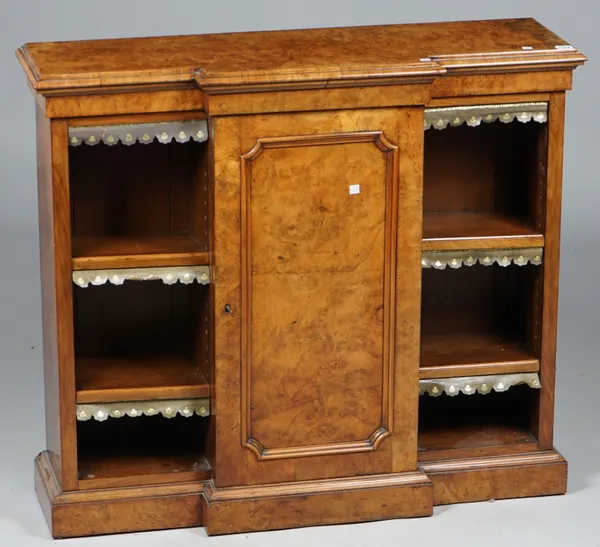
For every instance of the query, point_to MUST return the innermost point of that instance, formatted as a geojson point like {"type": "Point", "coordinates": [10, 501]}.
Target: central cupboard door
{"type": "Point", "coordinates": [317, 221]}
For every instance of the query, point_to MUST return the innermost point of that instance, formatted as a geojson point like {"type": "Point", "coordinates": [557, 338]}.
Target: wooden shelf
{"type": "Point", "coordinates": [95, 253]}
{"type": "Point", "coordinates": [469, 354]}
{"type": "Point", "coordinates": [121, 470]}
{"type": "Point", "coordinates": [473, 436]}
{"type": "Point", "coordinates": [110, 380]}
{"type": "Point", "coordinates": [463, 230]}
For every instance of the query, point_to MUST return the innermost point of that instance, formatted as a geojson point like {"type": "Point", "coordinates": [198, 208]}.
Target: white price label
{"type": "Point", "coordinates": [354, 189]}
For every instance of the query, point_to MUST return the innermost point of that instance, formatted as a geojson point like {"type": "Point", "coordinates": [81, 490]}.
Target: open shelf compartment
{"type": "Point", "coordinates": [480, 320]}
{"type": "Point", "coordinates": [142, 390]}
{"type": "Point", "coordinates": [147, 450]}
{"type": "Point", "coordinates": [139, 195]}
{"type": "Point", "coordinates": [467, 425]}
{"type": "Point", "coordinates": [141, 340]}
{"type": "Point", "coordinates": [484, 182]}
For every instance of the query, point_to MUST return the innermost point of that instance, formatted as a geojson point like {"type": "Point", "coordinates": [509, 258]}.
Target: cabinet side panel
{"type": "Point", "coordinates": [57, 312]}
{"type": "Point", "coordinates": [556, 120]}
{"type": "Point", "coordinates": [50, 352]}
{"type": "Point", "coordinates": [408, 289]}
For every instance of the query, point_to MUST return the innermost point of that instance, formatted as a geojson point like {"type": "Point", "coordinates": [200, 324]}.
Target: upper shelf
{"type": "Point", "coordinates": [295, 57]}
{"type": "Point", "coordinates": [145, 133]}
{"type": "Point", "coordinates": [465, 230]}
{"type": "Point", "coordinates": [473, 115]}
{"type": "Point", "coordinates": [97, 253]}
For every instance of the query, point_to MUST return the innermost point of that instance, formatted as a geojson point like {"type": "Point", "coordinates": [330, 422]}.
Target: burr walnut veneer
{"type": "Point", "coordinates": [300, 277]}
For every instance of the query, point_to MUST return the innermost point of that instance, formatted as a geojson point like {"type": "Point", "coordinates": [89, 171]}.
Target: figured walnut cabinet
{"type": "Point", "coordinates": [312, 286]}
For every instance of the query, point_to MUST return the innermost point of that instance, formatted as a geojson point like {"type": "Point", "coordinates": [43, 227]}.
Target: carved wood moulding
{"type": "Point", "coordinates": [440, 260]}
{"type": "Point", "coordinates": [390, 154]}
{"type": "Point", "coordinates": [136, 409]}
{"type": "Point", "coordinates": [168, 275]}
{"type": "Point", "coordinates": [145, 133]}
{"type": "Point", "coordinates": [478, 384]}
{"type": "Point", "coordinates": [441, 118]}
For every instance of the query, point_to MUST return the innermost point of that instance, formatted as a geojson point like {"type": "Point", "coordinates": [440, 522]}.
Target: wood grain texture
{"type": "Point", "coordinates": [233, 138]}
{"type": "Point", "coordinates": [316, 99]}
{"type": "Point", "coordinates": [97, 253]}
{"type": "Point", "coordinates": [492, 84]}
{"type": "Point", "coordinates": [297, 55]}
{"type": "Point", "coordinates": [49, 302]}
{"type": "Point", "coordinates": [117, 510]}
{"type": "Point", "coordinates": [119, 102]}
{"type": "Point", "coordinates": [556, 119]}
{"type": "Point", "coordinates": [473, 436]}
{"type": "Point", "coordinates": [110, 380]}
{"type": "Point", "coordinates": [309, 294]}
{"type": "Point", "coordinates": [361, 499]}
{"type": "Point", "coordinates": [57, 310]}
{"type": "Point", "coordinates": [473, 354]}
{"type": "Point", "coordinates": [408, 289]}
{"type": "Point", "coordinates": [467, 230]}
{"type": "Point", "coordinates": [145, 117]}
{"type": "Point", "coordinates": [119, 471]}
{"type": "Point", "coordinates": [489, 451]}
{"type": "Point", "coordinates": [525, 475]}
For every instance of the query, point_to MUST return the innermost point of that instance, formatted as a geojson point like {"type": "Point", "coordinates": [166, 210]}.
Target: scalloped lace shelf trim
{"type": "Point", "coordinates": [145, 133]}
{"type": "Point", "coordinates": [182, 274]}
{"type": "Point", "coordinates": [503, 257]}
{"type": "Point", "coordinates": [478, 384]}
{"type": "Point", "coordinates": [440, 118]}
{"type": "Point", "coordinates": [135, 409]}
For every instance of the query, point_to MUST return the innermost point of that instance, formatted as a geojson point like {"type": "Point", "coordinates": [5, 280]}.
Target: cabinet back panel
{"type": "Point", "coordinates": [470, 421]}
{"type": "Point", "coordinates": [479, 299]}
{"type": "Point", "coordinates": [137, 319]}
{"type": "Point", "coordinates": [138, 190]}
{"type": "Point", "coordinates": [489, 168]}
{"type": "Point", "coordinates": [142, 435]}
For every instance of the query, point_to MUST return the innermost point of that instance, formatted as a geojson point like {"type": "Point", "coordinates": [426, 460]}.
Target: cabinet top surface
{"type": "Point", "coordinates": [313, 55]}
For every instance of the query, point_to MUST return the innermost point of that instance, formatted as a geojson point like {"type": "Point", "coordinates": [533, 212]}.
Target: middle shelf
{"type": "Point", "coordinates": [142, 341]}
{"type": "Point", "coordinates": [102, 380]}
{"type": "Point", "coordinates": [447, 355]}
{"type": "Point", "coordinates": [480, 320]}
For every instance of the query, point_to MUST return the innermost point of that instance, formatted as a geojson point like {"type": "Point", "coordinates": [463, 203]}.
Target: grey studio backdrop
{"type": "Point", "coordinates": [566, 520]}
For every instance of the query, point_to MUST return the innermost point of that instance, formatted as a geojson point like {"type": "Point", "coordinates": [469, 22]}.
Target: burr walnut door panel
{"type": "Point", "coordinates": [306, 287]}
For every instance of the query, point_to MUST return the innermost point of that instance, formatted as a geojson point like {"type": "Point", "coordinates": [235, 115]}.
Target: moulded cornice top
{"type": "Point", "coordinates": [295, 57]}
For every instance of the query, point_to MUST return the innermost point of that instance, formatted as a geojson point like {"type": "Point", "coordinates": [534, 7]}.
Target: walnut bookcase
{"type": "Point", "coordinates": [318, 285]}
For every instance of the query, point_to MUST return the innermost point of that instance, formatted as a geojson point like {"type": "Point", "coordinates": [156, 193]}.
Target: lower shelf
{"type": "Point", "coordinates": [474, 435]}
{"type": "Point", "coordinates": [469, 425]}
{"type": "Point", "coordinates": [122, 470]}
{"type": "Point", "coordinates": [140, 451]}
